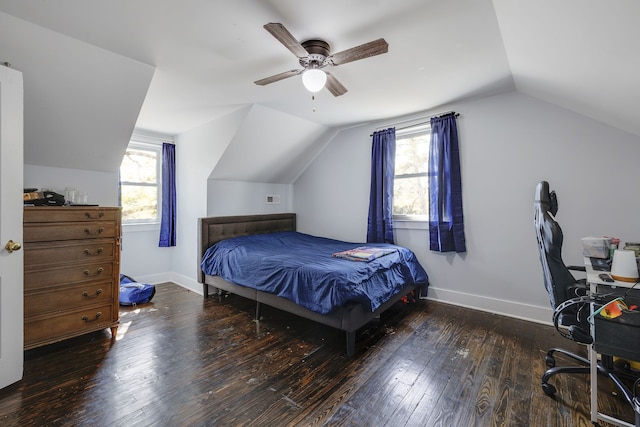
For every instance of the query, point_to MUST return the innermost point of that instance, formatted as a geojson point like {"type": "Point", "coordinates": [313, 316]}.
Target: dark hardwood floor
{"type": "Point", "coordinates": [182, 361]}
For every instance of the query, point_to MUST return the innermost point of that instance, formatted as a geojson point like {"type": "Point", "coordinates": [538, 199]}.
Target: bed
{"type": "Point", "coordinates": [345, 311]}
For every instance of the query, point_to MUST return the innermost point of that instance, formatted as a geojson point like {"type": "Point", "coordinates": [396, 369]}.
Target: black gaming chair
{"type": "Point", "coordinates": [568, 296]}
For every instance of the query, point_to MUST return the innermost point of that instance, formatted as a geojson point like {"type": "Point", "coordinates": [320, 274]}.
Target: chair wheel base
{"type": "Point", "coordinates": [550, 361]}
{"type": "Point", "coordinates": [548, 389]}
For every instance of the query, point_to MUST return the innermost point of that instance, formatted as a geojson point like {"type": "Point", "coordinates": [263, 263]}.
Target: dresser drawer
{"type": "Point", "coordinates": [72, 251]}
{"type": "Point", "coordinates": [67, 297]}
{"type": "Point", "coordinates": [69, 213]}
{"type": "Point", "coordinates": [37, 232]}
{"type": "Point", "coordinates": [78, 273]}
{"type": "Point", "coordinates": [63, 325]}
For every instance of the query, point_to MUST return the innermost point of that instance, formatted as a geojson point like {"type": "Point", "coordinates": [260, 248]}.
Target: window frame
{"type": "Point", "coordinates": [406, 133]}
{"type": "Point", "coordinates": [138, 144]}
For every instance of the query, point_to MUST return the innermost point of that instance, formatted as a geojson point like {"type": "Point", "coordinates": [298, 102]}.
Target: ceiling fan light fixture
{"type": "Point", "coordinates": [314, 79]}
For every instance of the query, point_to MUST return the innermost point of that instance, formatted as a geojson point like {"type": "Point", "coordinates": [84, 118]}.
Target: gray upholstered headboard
{"type": "Point", "coordinates": [214, 229]}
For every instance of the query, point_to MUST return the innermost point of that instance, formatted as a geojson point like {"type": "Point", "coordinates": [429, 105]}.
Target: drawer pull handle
{"type": "Point", "coordinates": [86, 294]}
{"type": "Point", "coordinates": [87, 320]}
{"type": "Point", "coordinates": [88, 230]}
{"type": "Point", "coordinates": [98, 271]}
{"type": "Point", "coordinates": [88, 215]}
{"type": "Point", "coordinates": [97, 252]}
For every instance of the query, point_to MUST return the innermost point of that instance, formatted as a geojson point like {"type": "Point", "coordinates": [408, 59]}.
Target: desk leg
{"type": "Point", "coordinates": [593, 363]}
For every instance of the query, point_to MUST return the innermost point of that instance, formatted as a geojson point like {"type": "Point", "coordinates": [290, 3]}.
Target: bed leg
{"type": "Point", "coordinates": [351, 343]}
{"type": "Point", "coordinates": [205, 290]}
{"type": "Point", "coordinates": [257, 310]}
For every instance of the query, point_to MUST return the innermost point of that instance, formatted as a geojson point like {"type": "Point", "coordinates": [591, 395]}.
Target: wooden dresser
{"type": "Point", "coordinates": [71, 272]}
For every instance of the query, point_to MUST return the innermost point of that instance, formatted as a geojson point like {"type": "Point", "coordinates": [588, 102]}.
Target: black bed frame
{"type": "Point", "coordinates": [213, 229]}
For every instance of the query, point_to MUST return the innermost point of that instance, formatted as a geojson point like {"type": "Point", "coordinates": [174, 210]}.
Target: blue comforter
{"type": "Point", "coordinates": [302, 268]}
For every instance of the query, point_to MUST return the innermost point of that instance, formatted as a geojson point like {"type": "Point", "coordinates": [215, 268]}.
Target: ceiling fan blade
{"type": "Point", "coordinates": [284, 36]}
{"type": "Point", "coordinates": [376, 47]}
{"type": "Point", "coordinates": [334, 86]}
{"type": "Point", "coordinates": [278, 77]}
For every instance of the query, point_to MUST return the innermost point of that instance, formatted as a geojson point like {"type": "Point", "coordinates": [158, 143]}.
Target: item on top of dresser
{"type": "Point", "coordinates": [43, 198]}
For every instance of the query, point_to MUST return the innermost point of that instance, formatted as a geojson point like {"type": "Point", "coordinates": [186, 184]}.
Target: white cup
{"type": "Point", "coordinates": [70, 195]}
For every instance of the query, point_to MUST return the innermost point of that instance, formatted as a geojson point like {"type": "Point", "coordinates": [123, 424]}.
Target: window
{"type": "Point", "coordinates": [411, 181]}
{"type": "Point", "coordinates": [140, 183]}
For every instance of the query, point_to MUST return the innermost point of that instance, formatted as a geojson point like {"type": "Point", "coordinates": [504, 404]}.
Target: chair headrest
{"type": "Point", "coordinates": [545, 198]}
{"type": "Point", "coordinates": [542, 193]}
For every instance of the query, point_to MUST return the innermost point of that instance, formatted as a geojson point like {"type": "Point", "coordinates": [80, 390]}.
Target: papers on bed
{"type": "Point", "coordinates": [364, 253]}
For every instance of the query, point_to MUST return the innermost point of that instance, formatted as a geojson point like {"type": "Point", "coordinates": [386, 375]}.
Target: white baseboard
{"type": "Point", "coordinates": [178, 279]}
{"type": "Point", "coordinates": [517, 310]}
{"type": "Point", "coordinates": [187, 283]}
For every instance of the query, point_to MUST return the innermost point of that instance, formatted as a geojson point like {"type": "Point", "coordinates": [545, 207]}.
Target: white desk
{"type": "Point", "coordinates": [594, 280]}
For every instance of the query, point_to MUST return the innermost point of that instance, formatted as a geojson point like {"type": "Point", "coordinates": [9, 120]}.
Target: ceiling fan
{"type": "Point", "coordinates": [314, 55]}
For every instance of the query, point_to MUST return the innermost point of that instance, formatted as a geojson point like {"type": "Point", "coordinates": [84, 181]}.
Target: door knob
{"type": "Point", "coordinates": [12, 246]}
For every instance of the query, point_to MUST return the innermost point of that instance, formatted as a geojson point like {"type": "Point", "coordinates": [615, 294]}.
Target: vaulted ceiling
{"type": "Point", "coordinates": [170, 66]}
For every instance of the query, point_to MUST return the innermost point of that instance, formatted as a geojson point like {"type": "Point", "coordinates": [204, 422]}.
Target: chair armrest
{"type": "Point", "coordinates": [577, 267]}
{"type": "Point", "coordinates": [578, 289]}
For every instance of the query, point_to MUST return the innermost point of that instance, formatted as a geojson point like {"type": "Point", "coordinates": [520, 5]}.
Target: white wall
{"type": "Point", "coordinates": [247, 198]}
{"type": "Point", "coordinates": [142, 258]}
{"type": "Point", "coordinates": [102, 187]}
{"type": "Point", "coordinates": [81, 102]}
{"type": "Point", "coordinates": [269, 146]}
{"type": "Point", "coordinates": [508, 143]}
{"type": "Point", "coordinates": [331, 198]}
{"type": "Point", "coordinates": [197, 153]}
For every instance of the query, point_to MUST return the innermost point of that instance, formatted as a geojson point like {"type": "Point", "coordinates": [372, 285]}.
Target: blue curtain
{"type": "Point", "coordinates": [446, 222]}
{"type": "Point", "coordinates": [383, 157]}
{"type": "Point", "coordinates": [168, 221]}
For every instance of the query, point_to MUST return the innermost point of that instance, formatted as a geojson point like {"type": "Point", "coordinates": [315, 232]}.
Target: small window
{"type": "Point", "coordinates": [140, 183]}
{"type": "Point", "coordinates": [411, 181]}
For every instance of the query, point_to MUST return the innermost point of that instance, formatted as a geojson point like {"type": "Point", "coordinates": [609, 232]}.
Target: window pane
{"type": "Point", "coordinates": [410, 196]}
{"type": "Point", "coordinates": [139, 202]}
{"type": "Point", "coordinates": [410, 192]}
{"type": "Point", "coordinates": [139, 166]}
{"type": "Point", "coordinates": [412, 155]}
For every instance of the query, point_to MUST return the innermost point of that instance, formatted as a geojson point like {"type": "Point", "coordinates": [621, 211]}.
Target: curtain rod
{"type": "Point", "coordinates": [427, 120]}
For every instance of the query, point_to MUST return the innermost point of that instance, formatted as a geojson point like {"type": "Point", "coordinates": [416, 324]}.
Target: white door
{"type": "Point", "coordinates": [11, 258]}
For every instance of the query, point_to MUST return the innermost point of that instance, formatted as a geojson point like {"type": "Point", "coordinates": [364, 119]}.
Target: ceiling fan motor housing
{"type": "Point", "coordinates": [318, 51]}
